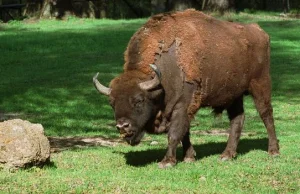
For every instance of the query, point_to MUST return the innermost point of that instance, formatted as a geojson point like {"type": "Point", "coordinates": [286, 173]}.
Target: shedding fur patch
{"type": "Point", "coordinates": [158, 34]}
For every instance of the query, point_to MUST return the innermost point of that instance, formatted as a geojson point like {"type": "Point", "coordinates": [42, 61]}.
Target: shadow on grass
{"type": "Point", "coordinates": [47, 77]}
{"type": "Point", "coordinates": [143, 158]}
{"type": "Point", "coordinates": [47, 164]}
{"type": "Point", "coordinates": [59, 144]}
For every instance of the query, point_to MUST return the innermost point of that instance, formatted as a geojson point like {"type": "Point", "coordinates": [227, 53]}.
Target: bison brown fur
{"type": "Point", "coordinates": [198, 61]}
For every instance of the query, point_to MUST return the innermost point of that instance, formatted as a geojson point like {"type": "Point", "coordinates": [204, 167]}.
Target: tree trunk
{"type": "Point", "coordinates": [221, 5]}
{"type": "Point", "coordinates": [286, 6]}
{"type": "Point", "coordinates": [103, 8]}
{"type": "Point", "coordinates": [63, 7]}
{"type": "Point", "coordinates": [24, 10]}
{"type": "Point", "coordinates": [203, 4]}
{"type": "Point", "coordinates": [43, 9]}
{"type": "Point", "coordinates": [87, 9]}
{"type": "Point", "coordinates": [158, 6]}
{"type": "Point", "coordinates": [114, 9]}
{"type": "Point", "coordinates": [178, 5]}
{"type": "Point", "coordinates": [132, 8]}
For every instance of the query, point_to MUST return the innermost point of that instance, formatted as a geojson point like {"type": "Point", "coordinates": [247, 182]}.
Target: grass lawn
{"type": "Point", "coordinates": [46, 70]}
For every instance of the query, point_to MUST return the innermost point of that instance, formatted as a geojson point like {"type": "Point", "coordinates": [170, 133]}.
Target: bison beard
{"type": "Point", "coordinates": [199, 61]}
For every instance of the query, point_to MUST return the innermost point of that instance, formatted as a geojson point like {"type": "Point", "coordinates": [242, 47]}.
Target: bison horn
{"type": "Point", "coordinates": [101, 88]}
{"type": "Point", "coordinates": [148, 85]}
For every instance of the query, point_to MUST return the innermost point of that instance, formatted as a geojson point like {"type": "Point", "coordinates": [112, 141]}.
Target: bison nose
{"type": "Point", "coordinates": [123, 126]}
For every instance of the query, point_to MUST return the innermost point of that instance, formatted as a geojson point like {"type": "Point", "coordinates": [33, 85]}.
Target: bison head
{"type": "Point", "coordinates": [136, 100]}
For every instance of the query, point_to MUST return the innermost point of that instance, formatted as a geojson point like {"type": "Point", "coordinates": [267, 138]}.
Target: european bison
{"type": "Point", "coordinates": [196, 61]}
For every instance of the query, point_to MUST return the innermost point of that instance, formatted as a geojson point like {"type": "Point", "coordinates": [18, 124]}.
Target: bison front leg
{"type": "Point", "coordinates": [178, 131]}
{"type": "Point", "coordinates": [188, 150]}
{"type": "Point", "coordinates": [237, 117]}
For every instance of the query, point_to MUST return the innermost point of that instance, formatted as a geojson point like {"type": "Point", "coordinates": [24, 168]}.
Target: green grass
{"type": "Point", "coordinates": [46, 69]}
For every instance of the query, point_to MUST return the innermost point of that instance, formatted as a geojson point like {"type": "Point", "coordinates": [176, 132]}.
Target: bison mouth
{"type": "Point", "coordinates": [134, 138]}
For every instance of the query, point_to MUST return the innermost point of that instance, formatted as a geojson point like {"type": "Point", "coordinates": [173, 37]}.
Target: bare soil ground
{"type": "Point", "coordinates": [59, 144]}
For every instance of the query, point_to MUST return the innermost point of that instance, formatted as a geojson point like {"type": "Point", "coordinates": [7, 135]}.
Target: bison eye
{"type": "Point", "coordinates": [137, 101]}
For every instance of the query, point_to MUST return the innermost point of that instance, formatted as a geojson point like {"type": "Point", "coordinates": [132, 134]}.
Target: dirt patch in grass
{"type": "Point", "coordinates": [59, 144]}
{"type": "Point", "coordinates": [221, 132]}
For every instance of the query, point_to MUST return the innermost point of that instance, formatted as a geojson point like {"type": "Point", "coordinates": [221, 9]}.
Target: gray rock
{"type": "Point", "coordinates": [23, 144]}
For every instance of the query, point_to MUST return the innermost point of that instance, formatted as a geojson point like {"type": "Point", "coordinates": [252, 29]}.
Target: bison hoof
{"type": "Point", "coordinates": [228, 155]}
{"type": "Point", "coordinates": [274, 150]}
{"type": "Point", "coordinates": [274, 153]}
{"type": "Point", "coordinates": [189, 160]}
{"type": "Point", "coordinates": [167, 163]}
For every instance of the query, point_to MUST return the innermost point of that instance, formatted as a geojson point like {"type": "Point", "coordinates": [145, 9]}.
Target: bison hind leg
{"type": "Point", "coordinates": [236, 116]}
{"type": "Point", "coordinates": [261, 92]}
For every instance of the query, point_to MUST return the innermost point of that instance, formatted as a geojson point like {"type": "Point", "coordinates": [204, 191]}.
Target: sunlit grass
{"type": "Point", "coordinates": [46, 70]}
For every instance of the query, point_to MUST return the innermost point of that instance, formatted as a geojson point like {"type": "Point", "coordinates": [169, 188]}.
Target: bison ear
{"type": "Point", "coordinates": [151, 84]}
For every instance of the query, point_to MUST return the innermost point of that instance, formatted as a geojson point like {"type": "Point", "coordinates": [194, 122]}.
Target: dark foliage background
{"type": "Point", "coordinates": [117, 9]}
